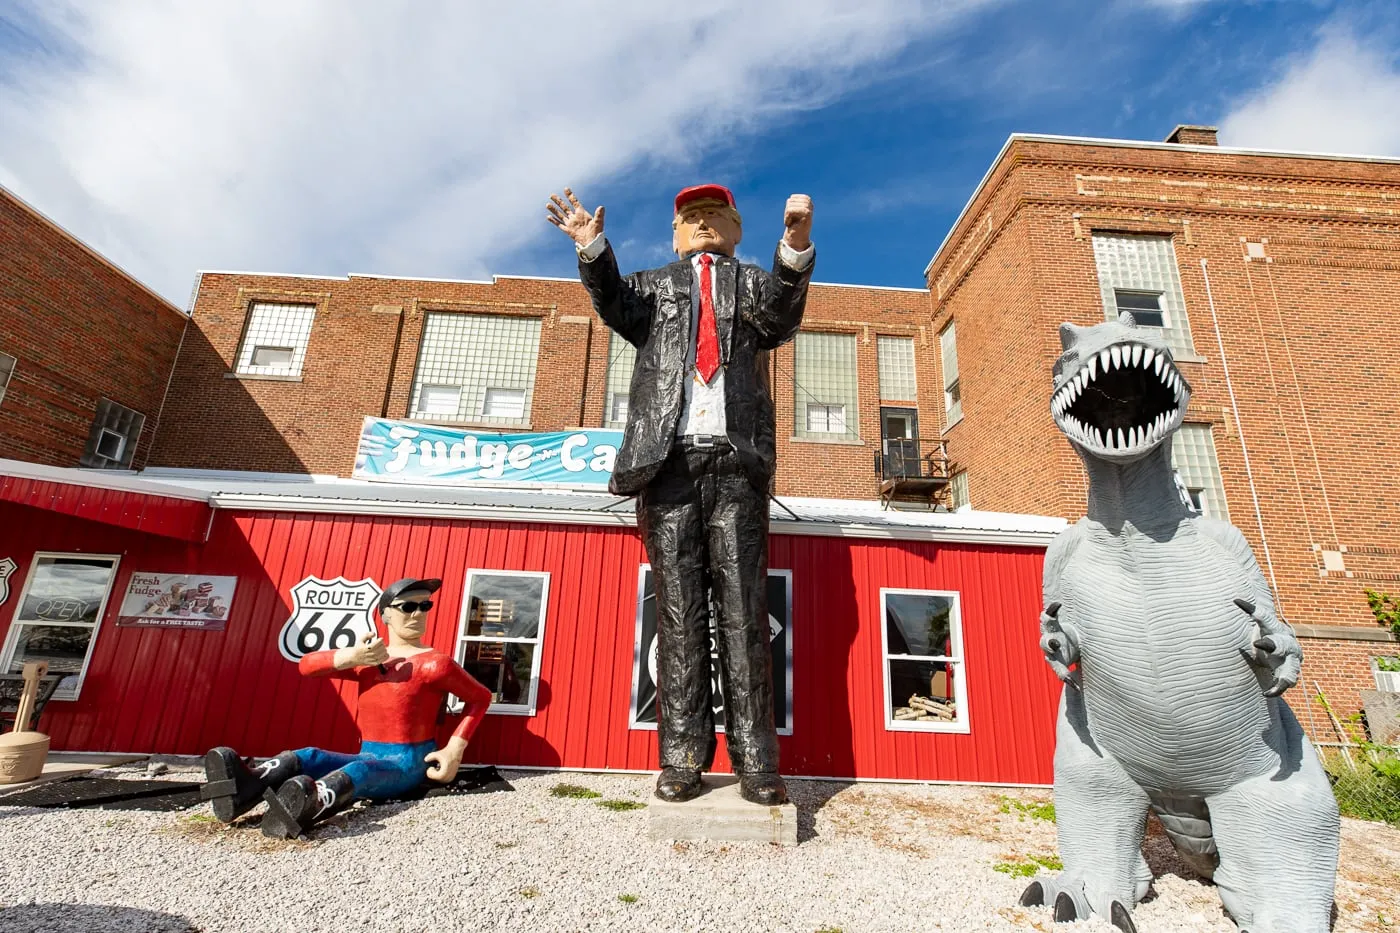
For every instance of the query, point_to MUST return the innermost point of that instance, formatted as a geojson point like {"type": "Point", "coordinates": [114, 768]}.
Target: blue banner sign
{"type": "Point", "coordinates": [405, 452]}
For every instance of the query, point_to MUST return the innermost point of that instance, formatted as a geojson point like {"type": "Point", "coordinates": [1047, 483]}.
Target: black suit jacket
{"type": "Point", "coordinates": [755, 312]}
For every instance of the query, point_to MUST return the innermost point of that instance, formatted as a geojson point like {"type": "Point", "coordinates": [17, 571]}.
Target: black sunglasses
{"type": "Point", "coordinates": [412, 607]}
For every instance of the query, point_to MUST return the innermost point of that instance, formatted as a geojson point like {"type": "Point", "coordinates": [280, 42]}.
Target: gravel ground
{"type": "Point", "coordinates": [872, 857]}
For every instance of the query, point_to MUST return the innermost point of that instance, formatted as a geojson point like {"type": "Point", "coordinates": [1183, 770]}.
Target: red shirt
{"type": "Point", "coordinates": [402, 704]}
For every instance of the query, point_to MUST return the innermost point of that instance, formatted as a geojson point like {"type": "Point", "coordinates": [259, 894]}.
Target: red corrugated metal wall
{"type": "Point", "coordinates": [161, 690]}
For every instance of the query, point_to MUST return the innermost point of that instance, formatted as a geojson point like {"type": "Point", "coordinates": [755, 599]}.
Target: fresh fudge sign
{"type": "Point", "coordinates": [177, 600]}
{"type": "Point", "coordinates": [406, 452]}
{"type": "Point", "coordinates": [327, 614]}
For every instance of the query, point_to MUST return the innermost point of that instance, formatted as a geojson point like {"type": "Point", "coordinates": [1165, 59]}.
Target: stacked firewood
{"type": "Point", "coordinates": [927, 709]}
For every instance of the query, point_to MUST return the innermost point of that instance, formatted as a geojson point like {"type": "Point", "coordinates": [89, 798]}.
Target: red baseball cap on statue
{"type": "Point", "coordinates": [696, 192]}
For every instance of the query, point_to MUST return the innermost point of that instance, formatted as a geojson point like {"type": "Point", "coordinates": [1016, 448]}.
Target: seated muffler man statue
{"type": "Point", "coordinates": [1163, 629]}
{"type": "Point", "coordinates": [402, 687]}
{"type": "Point", "coordinates": [698, 453]}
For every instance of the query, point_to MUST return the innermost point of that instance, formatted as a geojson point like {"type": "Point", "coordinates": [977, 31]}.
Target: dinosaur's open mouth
{"type": "Point", "coordinates": [1124, 400]}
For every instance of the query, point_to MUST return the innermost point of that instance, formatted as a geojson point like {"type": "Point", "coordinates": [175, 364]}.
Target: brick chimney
{"type": "Point", "coordinates": [1188, 135]}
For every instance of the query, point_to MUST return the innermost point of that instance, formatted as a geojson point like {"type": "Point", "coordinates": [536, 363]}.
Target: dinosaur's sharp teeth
{"type": "Point", "coordinates": [1148, 355]}
{"type": "Point", "coordinates": [1098, 437]}
{"type": "Point", "coordinates": [1135, 438]}
{"type": "Point", "coordinates": [1137, 354]}
{"type": "Point", "coordinates": [1122, 441]}
{"type": "Point", "coordinates": [1117, 355]}
{"type": "Point", "coordinates": [1161, 362]}
{"type": "Point", "coordinates": [1104, 359]}
{"type": "Point", "coordinates": [1093, 367]}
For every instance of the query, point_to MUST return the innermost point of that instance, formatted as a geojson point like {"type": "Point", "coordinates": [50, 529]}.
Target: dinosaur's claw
{"type": "Point", "coordinates": [1121, 918]}
{"type": "Point", "coordinates": [1034, 895]}
{"type": "Point", "coordinates": [1064, 908]}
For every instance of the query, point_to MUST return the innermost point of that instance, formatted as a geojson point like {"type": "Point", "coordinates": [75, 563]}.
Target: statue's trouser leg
{"type": "Point", "coordinates": [389, 769]}
{"type": "Point", "coordinates": [316, 763]}
{"type": "Point", "coordinates": [738, 540]}
{"type": "Point", "coordinates": [1100, 815]}
{"type": "Point", "coordinates": [1278, 840]}
{"type": "Point", "coordinates": [671, 514]}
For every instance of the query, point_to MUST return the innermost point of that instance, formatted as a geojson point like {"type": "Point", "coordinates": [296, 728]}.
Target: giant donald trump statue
{"type": "Point", "coordinates": [698, 453]}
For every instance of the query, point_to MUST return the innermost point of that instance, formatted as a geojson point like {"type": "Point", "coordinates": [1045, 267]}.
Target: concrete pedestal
{"type": "Point", "coordinates": [721, 815]}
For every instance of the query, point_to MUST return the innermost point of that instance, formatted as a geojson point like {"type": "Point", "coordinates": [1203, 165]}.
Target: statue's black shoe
{"type": "Point", "coordinates": [676, 785]}
{"type": "Point", "coordinates": [764, 788]}
{"type": "Point", "coordinates": [301, 802]}
{"type": "Point", "coordinates": [233, 788]}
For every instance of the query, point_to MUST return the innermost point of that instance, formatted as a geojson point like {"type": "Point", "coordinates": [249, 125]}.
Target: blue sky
{"type": "Point", "coordinates": [336, 136]}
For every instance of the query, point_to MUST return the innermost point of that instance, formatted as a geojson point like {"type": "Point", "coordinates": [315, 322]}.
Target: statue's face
{"type": "Point", "coordinates": [408, 626]}
{"type": "Point", "coordinates": [706, 227]}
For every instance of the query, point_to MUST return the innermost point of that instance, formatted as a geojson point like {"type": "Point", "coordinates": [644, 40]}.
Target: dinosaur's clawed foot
{"type": "Point", "coordinates": [1121, 918]}
{"type": "Point", "coordinates": [1069, 903]}
{"type": "Point", "coordinates": [1034, 895]}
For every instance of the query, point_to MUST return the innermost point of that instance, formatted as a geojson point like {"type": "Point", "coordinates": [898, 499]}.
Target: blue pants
{"type": "Point", "coordinates": [380, 771]}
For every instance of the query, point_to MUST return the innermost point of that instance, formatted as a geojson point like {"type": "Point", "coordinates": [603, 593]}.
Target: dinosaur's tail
{"type": "Point", "coordinates": [1187, 824]}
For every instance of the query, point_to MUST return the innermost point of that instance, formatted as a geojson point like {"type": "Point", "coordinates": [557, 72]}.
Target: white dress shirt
{"type": "Point", "coordinates": [703, 409]}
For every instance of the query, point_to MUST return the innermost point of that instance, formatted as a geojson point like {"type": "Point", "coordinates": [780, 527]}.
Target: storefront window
{"type": "Point", "coordinates": [499, 640]}
{"type": "Point", "coordinates": [56, 621]}
{"type": "Point", "coordinates": [925, 682]}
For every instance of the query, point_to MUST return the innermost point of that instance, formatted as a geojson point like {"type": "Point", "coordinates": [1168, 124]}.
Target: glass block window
{"type": "Point", "coordinates": [500, 638]}
{"type": "Point", "coordinates": [622, 357]}
{"type": "Point", "coordinates": [111, 442]}
{"type": "Point", "coordinates": [58, 615]}
{"type": "Point", "coordinates": [897, 369]}
{"type": "Point", "coordinates": [7, 369]}
{"type": "Point", "coordinates": [1135, 269]}
{"type": "Point", "coordinates": [925, 680]}
{"type": "Point", "coordinates": [957, 490]}
{"type": "Point", "coordinates": [825, 390]}
{"type": "Point", "coordinates": [274, 340]}
{"type": "Point", "coordinates": [476, 367]}
{"type": "Point", "coordinates": [1193, 458]}
{"type": "Point", "coordinates": [952, 390]}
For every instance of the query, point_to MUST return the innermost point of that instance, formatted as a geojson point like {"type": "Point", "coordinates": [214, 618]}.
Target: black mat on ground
{"type": "Point", "coordinates": [484, 780]}
{"type": "Point", "coordinates": [108, 794]}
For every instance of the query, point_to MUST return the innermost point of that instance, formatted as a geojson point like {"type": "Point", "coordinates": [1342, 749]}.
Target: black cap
{"type": "Point", "coordinates": [394, 590]}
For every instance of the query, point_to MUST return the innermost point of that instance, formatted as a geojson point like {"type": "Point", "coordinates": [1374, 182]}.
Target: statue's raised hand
{"type": "Point", "coordinates": [571, 217]}
{"type": "Point", "coordinates": [1275, 647]}
{"type": "Point", "coordinates": [1057, 646]}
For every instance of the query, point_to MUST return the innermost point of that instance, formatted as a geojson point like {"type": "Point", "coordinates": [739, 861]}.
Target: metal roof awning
{"type": "Point", "coordinates": [111, 499]}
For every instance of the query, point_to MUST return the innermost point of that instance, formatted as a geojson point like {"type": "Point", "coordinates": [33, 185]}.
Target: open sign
{"type": "Point", "coordinates": [62, 609]}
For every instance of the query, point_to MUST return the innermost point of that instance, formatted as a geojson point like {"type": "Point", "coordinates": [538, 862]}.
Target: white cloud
{"type": "Point", "coordinates": [1341, 97]}
{"type": "Point", "coordinates": [329, 136]}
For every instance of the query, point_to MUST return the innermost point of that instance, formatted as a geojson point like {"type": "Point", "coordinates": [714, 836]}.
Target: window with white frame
{"type": "Point", "coordinates": [274, 340]}
{"type": "Point", "coordinates": [622, 358]}
{"type": "Point", "coordinates": [7, 369]}
{"type": "Point", "coordinates": [952, 391]}
{"type": "Point", "coordinates": [113, 437]}
{"type": "Point", "coordinates": [824, 388]}
{"type": "Point", "coordinates": [1138, 273]}
{"type": "Point", "coordinates": [59, 611]}
{"type": "Point", "coordinates": [957, 490]}
{"type": "Point", "coordinates": [896, 355]}
{"type": "Point", "coordinates": [1193, 458]}
{"type": "Point", "coordinates": [925, 680]}
{"type": "Point", "coordinates": [476, 367]}
{"type": "Point", "coordinates": [501, 633]}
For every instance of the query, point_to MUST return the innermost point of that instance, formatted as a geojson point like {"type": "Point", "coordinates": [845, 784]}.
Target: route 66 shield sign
{"type": "Point", "coordinates": [7, 567]}
{"type": "Point", "coordinates": [327, 614]}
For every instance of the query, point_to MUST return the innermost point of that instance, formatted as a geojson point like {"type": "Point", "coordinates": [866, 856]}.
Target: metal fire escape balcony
{"type": "Point", "coordinates": [914, 471]}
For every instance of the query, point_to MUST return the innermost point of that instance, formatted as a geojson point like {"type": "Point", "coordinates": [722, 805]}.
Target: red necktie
{"type": "Point", "coordinates": [707, 341]}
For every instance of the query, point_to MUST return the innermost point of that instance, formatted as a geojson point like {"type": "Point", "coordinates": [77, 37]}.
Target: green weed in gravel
{"type": "Point", "coordinates": [621, 805]}
{"type": "Point", "coordinates": [1030, 865]}
{"type": "Point", "coordinates": [1036, 810]}
{"type": "Point", "coordinates": [530, 891]}
{"type": "Point", "coordinates": [628, 898]}
{"type": "Point", "coordinates": [574, 792]}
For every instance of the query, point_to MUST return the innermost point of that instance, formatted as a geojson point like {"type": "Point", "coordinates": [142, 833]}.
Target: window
{"type": "Point", "coordinates": [59, 611]}
{"type": "Point", "coordinates": [1193, 458]}
{"type": "Point", "coordinates": [112, 441]}
{"type": "Point", "coordinates": [896, 356]}
{"type": "Point", "coordinates": [952, 393]}
{"type": "Point", "coordinates": [274, 340]}
{"type": "Point", "coordinates": [622, 358]}
{"type": "Point", "coordinates": [501, 633]}
{"type": "Point", "coordinates": [1146, 307]}
{"type": "Point", "coordinates": [925, 682]}
{"type": "Point", "coordinates": [957, 490]}
{"type": "Point", "coordinates": [7, 369]}
{"type": "Point", "coordinates": [1132, 271]}
{"type": "Point", "coordinates": [824, 388]}
{"type": "Point", "coordinates": [489, 360]}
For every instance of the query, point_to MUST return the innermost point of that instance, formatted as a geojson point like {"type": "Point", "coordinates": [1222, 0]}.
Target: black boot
{"type": "Point", "coordinates": [301, 802]}
{"type": "Point", "coordinates": [676, 785]}
{"type": "Point", "coordinates": [764, 787]}
{"type": "Point", "coordinates": [234, 788]}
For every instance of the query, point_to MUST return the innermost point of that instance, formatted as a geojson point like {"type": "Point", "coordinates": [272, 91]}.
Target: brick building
{"type": "Point", "coordinates": [1274, 276]}
{"type": "Point", "coordinates": [86, 351]}
{"type": "Point", "coordinates": [280, 371]}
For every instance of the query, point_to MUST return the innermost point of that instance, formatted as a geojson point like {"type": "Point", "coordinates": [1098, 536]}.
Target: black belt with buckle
{"type": "Point", "coordinates": [703, 441]}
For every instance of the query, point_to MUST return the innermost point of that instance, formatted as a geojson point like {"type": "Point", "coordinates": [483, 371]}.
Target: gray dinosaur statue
{"type": "Point", "coordinates": [1163, 629]}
